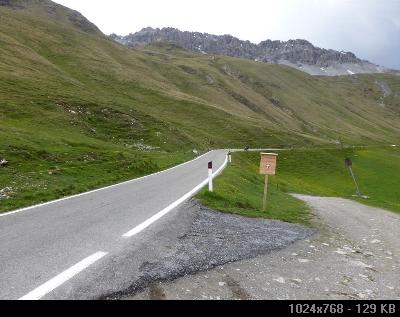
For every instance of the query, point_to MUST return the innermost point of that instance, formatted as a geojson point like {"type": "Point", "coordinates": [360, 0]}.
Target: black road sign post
{"type": "Point", "coordinates": [349, 165]}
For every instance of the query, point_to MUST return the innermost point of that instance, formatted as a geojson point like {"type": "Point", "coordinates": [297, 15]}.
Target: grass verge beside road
{"type": "Point", "coordinates": [323, 173]}
{"type": "Point", "coordinates": [240, 188]}
{"type": "Point", "coordinates": [308, 171]}
{"type": "Point", "coordinates": [51, 175]}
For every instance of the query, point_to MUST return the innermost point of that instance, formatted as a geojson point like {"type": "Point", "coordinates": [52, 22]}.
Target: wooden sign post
{"type": "Point", "coordinates": [267, 167]}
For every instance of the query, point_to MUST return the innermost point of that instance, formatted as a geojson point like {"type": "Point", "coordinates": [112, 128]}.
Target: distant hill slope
{"type": "Point", "coordinates": [78, 110]}
{"type": "Point", "coordinates": [53, 66]}
{"type": "Point", "coordinates": [299, 54]}
{"type": "Point", "coordinates": [51, 10]}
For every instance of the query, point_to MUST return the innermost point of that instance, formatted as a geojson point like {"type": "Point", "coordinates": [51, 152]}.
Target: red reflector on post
{"type": "Point", "coordinates": [210, 165]}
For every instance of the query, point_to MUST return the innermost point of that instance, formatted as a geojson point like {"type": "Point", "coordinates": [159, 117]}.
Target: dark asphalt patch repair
{"type": "Point", "coordinates": [215, 239]}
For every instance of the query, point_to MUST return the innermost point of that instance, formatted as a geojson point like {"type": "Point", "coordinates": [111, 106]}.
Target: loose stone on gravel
{"type": "Point", "coordinates": [304, 260]}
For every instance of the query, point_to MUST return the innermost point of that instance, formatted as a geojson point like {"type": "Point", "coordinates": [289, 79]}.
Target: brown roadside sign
{"type": "Point", "coordinates": [268, 163]}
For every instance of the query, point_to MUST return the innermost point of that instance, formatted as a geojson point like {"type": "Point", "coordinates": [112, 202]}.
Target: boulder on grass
{"type": "Point", "coordinates": [3, 162]}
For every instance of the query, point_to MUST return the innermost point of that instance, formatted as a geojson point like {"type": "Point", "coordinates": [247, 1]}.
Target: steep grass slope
{"type": "Point", "coordinates": [79, 111]}
{"type": "Point", "coordinates": [352, 108]}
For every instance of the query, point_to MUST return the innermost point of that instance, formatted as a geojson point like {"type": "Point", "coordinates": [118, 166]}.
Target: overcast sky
{"type": "Point", "coordinates": [369, 28]}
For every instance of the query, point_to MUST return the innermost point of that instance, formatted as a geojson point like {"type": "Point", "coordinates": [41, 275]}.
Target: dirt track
{"type": "Point", "coordinates": [355, 256]}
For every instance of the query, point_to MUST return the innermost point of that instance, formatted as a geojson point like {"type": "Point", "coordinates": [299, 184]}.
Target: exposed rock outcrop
{"type": "Point", "coordinates": [299, 54]}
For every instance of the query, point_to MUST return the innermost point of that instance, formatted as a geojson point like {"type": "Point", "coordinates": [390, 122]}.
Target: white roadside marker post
{"type": "Point", "coordinates": [230, 156]}
{"type": "Point", "coordinates": [210, 176]}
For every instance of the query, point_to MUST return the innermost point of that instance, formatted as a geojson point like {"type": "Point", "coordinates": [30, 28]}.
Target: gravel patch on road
{"type": "Point", "coordinates": [213, 239]}
{"type": "Point", "coordinates": [356, 255]}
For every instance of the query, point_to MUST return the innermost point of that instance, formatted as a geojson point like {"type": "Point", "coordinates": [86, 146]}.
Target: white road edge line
{"type": "Point", "coordinates": [175, 204]}
{"type": "Point", "coordinates": [100, 189]}
{"type": "Point", "coordinates": [60, 279]}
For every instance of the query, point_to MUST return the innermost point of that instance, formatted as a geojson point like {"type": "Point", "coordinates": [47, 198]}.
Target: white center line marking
{"type": "Point", "coordinates": [60, 279]}
{"type": "Point", "coordinates": [63, 277]}
{"type": "Point", "coordinates": [100, 189]}
{"type": "Point", "coordinates": [175, 204]}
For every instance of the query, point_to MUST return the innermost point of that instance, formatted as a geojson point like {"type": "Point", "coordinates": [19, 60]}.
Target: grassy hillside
{"type": "Point", "coordinates": [319, 109]}
{"type": "Point", "coordinates": [308, 171]}
{"type": "Point", "coordinates": [78, 111]}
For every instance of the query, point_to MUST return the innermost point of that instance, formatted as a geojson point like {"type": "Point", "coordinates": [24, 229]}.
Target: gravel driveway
{"type": "Point", "coordinates": [356, 255]}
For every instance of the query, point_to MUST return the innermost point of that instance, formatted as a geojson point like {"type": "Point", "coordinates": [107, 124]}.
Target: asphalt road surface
{"type": "Point", "coordinates": [46, 247]}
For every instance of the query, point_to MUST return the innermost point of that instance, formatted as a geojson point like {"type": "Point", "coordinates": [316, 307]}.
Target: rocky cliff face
{"type": "Point", "coordinates": [300, 54]}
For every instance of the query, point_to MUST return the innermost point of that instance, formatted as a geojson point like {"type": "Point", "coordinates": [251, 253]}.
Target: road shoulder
{"type": "Point", "coordinates": [355, 256]}
{"type": "Point", "coordinates": [191, 239]}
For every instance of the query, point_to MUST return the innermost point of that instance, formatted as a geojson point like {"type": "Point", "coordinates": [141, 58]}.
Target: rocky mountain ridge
{"type": "Point", "coordinates": [297, 53]}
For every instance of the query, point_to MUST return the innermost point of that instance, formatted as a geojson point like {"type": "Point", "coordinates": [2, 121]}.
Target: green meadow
{"type": "Point", "coordinates": [315, 171]}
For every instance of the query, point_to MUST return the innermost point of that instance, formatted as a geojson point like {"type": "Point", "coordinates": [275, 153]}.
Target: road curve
{"type": "Point", "coordinates": [44, 246]}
